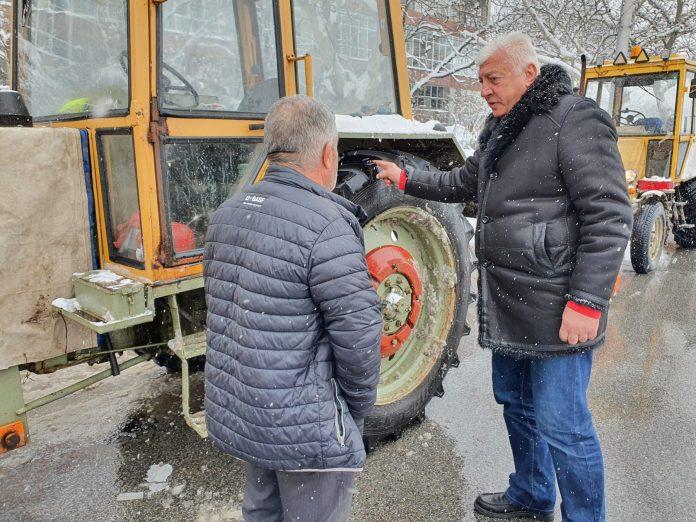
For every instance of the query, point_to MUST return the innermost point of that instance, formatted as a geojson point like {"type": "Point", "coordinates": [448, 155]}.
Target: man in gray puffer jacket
{"type": "Point", "coordinates": [294, 326]}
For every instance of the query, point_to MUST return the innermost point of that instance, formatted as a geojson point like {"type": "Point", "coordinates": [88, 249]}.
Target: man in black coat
{"type": "Point", "coordinates": [294, 326]}
{"type": "Point", "coordinates": [554, 220]}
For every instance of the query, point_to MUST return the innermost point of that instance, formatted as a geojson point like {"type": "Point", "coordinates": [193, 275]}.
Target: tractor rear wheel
{"type": "Point", "coordinates": [686, 237]}
{"type": "Point", "coordinates": [418, 255]}
{"type": "Point", "coordinates": [648, 237]}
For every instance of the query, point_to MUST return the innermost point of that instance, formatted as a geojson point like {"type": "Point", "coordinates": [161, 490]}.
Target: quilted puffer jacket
{"type": "Point", "coordinates": [294, 327]}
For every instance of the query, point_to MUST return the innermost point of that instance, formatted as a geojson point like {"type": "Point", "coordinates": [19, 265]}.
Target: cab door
{"type": "Point", "coordinates": [219, 66]}
{"type": "Point", "coordinates": [686, 154]}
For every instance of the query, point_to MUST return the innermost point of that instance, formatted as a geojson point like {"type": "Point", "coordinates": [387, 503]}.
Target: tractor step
{"type": "Point", "coordinates": [189, 346]}
{"type": "Point", "coordinates": [196, 421]}
{"type": "Point", "coordinates": [105, 302]}
{"type": "Point", "coordinates": [186, 347]}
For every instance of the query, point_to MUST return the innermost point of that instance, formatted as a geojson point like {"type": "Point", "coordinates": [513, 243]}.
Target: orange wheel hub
{"type": "Point", "coordinates": [399, 286]}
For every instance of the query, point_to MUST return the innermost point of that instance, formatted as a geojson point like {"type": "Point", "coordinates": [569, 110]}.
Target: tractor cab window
{"type": "Point", "coordinates": [72, 57]}
{"type": "Point", "coordinates": [199, 175]}
{"type": "Point", "coordinates": [352, 59]}
{"type": "Point", "coordinates": [687, 122]}
{"type": "Point", "coordinates": [643, 104]}
{"type": "Point", "coordinates": [218, 55]}
{"type": "Point", "coordinates": [120, 186]}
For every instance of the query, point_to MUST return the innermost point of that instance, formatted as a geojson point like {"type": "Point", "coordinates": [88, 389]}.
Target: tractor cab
{"type": "Point", "coordinates": [651, 102]}
{"type": "Point", "coordinates": [173, 95]}
{"type": "Point", "coordinates": [168, 99]}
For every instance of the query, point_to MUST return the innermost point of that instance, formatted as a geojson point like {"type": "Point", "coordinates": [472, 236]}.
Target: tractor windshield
{"type": "Point", "coordinates": [642, 104]}
{"type": "Point", "coordinates": [218, 55]}
{"type": "Point", "coordinates": [73, 57]}
{"type": "Point", "coordinates": [352, 56]}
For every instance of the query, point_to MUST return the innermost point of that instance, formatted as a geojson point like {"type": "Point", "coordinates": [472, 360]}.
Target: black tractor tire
{"type": "Point", "coordinates": [389, 420]}
{"type": "Point", "coordinates": [686, 237]}
{"type": "Point", "coordinates": [648, 217]}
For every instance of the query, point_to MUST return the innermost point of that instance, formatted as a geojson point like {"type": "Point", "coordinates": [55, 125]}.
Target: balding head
{"type": "Point", "coordinates": [296, 131]}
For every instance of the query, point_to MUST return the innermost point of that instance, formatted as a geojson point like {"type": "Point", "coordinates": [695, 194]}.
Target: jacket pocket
{"type": "Point", "coordinates": [339, 418]}
{"type": "Point", "coordinates": [539, 244]}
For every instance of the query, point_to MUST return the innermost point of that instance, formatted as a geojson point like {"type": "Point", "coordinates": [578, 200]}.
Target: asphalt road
{"type": "Point", "coordinates": [121, 451]}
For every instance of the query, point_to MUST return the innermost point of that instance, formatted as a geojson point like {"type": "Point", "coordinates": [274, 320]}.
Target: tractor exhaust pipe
{"type": "Point", "coordinates": [583, 72]}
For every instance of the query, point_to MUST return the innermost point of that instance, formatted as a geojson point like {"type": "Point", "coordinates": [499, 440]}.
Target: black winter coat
{"type": "Point", "coordinates": [554, 216]}
{"type": "Point", "coordinates": [294, 327]}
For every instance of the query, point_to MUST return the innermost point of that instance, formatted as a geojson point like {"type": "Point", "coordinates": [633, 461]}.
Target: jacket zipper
{"type": "Point", "coordinates": [338, 418]}
{"type": "Point", "coordinates": [482, 250]}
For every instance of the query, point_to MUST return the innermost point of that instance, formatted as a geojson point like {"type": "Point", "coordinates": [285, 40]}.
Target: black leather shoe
{"type": "Point", "coordinates": [497, 505]}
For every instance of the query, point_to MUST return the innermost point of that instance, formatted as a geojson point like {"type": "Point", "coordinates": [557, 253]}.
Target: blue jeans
{"type": "Point", "coordinates": [551, 434]}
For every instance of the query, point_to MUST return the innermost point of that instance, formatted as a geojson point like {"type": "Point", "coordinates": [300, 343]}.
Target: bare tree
{"type": "Point", "coordinates": [469, 111]}
{"type": "Point", "coordinates": [565, 29]}
{"type": "Point", "coordinates": [456, 27]}
{"type": "Point", "coordinates": [666, 25]}
{"type": "Point", "coordinates": [628, 11]}
{"type": "Point", "coordinates": [562, 30]}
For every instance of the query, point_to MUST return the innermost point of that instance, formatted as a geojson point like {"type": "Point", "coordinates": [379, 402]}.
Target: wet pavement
{"type": "Point", "coordinates": [91, 453]}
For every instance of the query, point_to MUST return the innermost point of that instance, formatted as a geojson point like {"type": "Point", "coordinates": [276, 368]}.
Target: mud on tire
{"type": "Point", "coordinates": [643, 256]}
{"type": "Point", "coordinates": [686, 237]}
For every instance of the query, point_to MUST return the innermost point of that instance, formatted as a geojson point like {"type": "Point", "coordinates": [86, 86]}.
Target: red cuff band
{"type": "Point", "coordinates": [584, 310]}
{"type": "Point", "coordinates": [403, 180]}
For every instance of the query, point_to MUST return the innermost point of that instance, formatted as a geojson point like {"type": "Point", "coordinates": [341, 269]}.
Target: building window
{"type": "Point", "coordinates": [431, 97]}
{"type": "Point", "coordinates": [427, 50]}
{"type": "Point", "coordinates": [355, 31]}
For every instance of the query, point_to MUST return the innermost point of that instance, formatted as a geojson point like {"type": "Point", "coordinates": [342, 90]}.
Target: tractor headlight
{"type": "Point", "coordinates": [631, 176]}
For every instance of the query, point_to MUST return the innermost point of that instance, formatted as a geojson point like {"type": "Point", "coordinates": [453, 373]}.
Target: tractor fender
{"type": "Point", "coordinates": [652, 196]}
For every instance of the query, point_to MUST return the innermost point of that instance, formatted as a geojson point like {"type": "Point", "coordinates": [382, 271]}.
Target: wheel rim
{"type": "Point", "coordinates": [413, 267]}
{"type": "Point", "coordinates": [657, 237]}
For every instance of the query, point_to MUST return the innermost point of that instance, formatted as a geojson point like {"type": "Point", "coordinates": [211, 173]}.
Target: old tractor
{"type": "Point", "coordinates": [651, 100]}
{"type": "Point", "coordinates": [147, 115]}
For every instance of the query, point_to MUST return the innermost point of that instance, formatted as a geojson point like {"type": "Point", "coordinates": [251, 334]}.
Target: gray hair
{"type": "Point", "coordinates": [518, 47]}
{"type": "Point", "coordinates": [297, 129]}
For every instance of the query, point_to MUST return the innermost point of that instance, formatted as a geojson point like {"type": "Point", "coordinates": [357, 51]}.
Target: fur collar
{"type": "Point", "coordinates": [552, 83]}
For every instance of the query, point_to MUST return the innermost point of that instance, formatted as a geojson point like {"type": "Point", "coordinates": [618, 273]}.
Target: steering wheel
{"type": "Point", "coordinates": [166, 83]}
{"type": "Point", "coordinates": [628, 117]}
{"type": "Point", "coordinates": [167, 86]}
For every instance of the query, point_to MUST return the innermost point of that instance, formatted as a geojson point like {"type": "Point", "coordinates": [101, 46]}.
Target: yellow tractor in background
{"type": "Point", "coordinates": [651, 100]}
{"type": "Point", "coordinates": [148, 114]}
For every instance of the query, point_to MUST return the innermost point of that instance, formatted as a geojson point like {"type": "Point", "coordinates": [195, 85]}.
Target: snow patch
{"type": "Point", "coordinates": [69, 305]}
{"type": "Point", "coordinates": [157, 476]}
{"type": "Point", "coordinates": [135, 495]}
{"type": "Point", "coordinates": [106, 277]}
{"type": "Point", "coordinates": [383, 124]}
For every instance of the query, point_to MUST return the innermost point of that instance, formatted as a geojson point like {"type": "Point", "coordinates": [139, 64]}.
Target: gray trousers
{"type": "Point", "coordinates": [275, 496]}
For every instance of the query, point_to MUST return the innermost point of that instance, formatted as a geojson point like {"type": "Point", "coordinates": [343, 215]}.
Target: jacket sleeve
{"type": "Point", "coordinates": [459, 185]}
{"type": "Point", "coordinates": [341, 288]}
{"type": "Point", "coordinates": [594, 175]}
